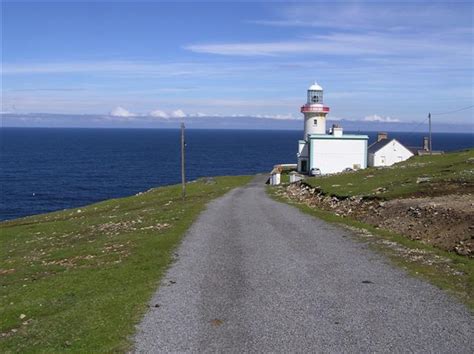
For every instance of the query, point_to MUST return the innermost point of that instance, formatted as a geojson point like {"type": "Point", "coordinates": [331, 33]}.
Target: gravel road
{"type": "Point", "coordinates": [255, 275]}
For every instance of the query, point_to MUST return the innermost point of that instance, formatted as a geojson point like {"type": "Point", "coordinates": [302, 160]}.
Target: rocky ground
{"type": "Point", "coordinates": [444, 221]}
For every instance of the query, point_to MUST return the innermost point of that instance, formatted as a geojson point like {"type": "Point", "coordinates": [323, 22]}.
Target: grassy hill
{"type": "Point", "coordinates": [418, 176]}
{"type": "Point", "coordinates": [80, 279]}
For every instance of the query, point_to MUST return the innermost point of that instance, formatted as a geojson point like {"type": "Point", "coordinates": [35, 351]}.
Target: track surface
{"type": "Point", "coordinates": [257, 275]}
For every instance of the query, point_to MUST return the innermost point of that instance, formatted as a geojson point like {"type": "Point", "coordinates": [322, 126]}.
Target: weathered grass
{"type": "Point", "coordinates": [80, 279]}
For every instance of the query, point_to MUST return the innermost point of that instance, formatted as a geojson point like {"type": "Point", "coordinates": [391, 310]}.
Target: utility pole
{"type": "Point", "coordinates": [429, 124]}
{"type": "Point", "coordinates": [183, 176]}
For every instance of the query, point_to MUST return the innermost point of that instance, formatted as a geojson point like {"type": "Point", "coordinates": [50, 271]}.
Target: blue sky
{"type": "Point", "coordinates": [392, 61]}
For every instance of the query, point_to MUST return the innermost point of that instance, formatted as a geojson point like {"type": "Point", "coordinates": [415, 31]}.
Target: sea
{"type": "Point", "coordinates": [48, 169]}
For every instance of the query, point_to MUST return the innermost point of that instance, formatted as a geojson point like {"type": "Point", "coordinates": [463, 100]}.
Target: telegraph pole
{"type": "Point", "coordinates": [429, 124]}
{"type": "Point", "coordinates": [183, 176]}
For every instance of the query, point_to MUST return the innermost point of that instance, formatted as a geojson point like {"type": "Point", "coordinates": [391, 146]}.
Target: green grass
{"type": "Point", "coordinates": [399, 180]}
{"type": "Point", "coordinates": [80, 279]}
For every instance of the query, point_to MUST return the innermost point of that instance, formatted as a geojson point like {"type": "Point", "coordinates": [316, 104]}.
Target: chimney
{"type": "Point", "coordinates": [426, 143]}
{"type": "Point", "coordinates": [381, 136]}
{"type": "Point", "coordinates": [336, 130]}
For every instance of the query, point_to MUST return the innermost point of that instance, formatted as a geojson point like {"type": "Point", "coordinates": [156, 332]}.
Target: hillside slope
{"type": "Point", "coordinates": [420, 176]}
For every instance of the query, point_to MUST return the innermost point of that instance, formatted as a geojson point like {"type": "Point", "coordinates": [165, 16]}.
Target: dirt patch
{"type": "Point", "coordinates": [115, 228]}
{"type": "Point", "coordinates": [6, 271]}
{"type": "Point", "coordinates": [413, 255]}
{"type": "Point", "coordinates": [446, 221]}
{"type": "Point", "coordinates": [68, 262]}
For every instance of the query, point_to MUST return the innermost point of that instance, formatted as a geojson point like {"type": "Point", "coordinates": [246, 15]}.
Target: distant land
{"type": "Point", "coordinates": [49, 120]}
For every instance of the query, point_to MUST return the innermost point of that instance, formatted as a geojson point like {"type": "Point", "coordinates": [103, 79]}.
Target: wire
{"type": "Point", "coordinates": [457, 110]}
{"type": "Point", "coordinates": [419, 124]}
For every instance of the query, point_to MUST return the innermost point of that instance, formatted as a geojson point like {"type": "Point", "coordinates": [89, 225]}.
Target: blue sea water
{"type": "Point", "coordinates": [44, 170]}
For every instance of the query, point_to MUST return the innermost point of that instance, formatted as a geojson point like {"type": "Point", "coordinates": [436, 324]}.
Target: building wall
{"type": "Point", "coordinates": [303, 155]}
{"type": "Point", "coordinates": [370, 160]}
{"type": "Point", "coordinates": [390, 154]}
{"type": "Point", "coordinates": [334, 155]}
{"type": "Point", "coordinates": [303, 148]}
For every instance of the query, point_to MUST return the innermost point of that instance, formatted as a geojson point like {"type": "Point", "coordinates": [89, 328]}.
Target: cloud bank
{"type": "Point", "coordinates": [121, 112]}
{"type": "Point", "coordinates": [377, 118]}
{"type": "Point", "coordinates": [158, 114]}
{"type": "Point", "coordinates": [178, 114]}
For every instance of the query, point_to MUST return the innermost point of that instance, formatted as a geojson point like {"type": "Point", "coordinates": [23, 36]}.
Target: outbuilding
{"type": "Point", "coordinates": [386, 152]}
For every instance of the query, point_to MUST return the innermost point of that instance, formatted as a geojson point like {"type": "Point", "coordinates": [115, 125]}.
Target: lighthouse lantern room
{"type": "Point", "coordinates": [328, 153]}
{"type": "Point", "coordinates": [314, 111]}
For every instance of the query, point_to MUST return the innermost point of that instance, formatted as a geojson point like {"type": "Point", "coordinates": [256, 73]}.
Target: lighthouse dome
{"type": "Point", "coordinates": [315, 87]}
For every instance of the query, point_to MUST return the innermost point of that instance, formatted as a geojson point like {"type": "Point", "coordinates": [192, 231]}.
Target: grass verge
{"type": "Point", "coordinates": [449, 172]}
{"type": "Point", "coordinates": [80, 279]}
{"type": "Point", "coordinates": [446, 270]}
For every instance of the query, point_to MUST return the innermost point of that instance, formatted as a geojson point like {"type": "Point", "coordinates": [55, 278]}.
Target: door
{"type": "Point", "coordinates": [304, 166]}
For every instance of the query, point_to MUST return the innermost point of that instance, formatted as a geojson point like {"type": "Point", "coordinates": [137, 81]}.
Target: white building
{"type": "Point", "coordinates": [332, 151]}
{"type": "Point", "coordinates": [386, 152]}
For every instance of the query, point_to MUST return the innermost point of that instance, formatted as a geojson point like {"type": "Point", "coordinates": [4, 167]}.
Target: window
{"type": "Point", "coordinates": [315, 97]}
{"type": "Point", "coordinates": [315, 122]}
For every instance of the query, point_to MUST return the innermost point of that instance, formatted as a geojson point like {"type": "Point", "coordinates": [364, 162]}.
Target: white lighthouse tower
{"type": "Point", "coordinates": [322, 152]}
{"type": "Point", "coordinates": [314, 112]}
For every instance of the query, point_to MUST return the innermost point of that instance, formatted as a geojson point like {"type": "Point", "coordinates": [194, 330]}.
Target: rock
{"type": "Point", "coordinates": [209, 180]}
{"type": "Point", "coordinates": [380, 190]}
{"type": "Point", "coordinates": [22, 316]}
{"type": "Point", "coordinates": [423, 179]}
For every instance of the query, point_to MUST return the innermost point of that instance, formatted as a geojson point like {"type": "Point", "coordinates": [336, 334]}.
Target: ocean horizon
{"type": "Point", "coordinates": [49, 169]}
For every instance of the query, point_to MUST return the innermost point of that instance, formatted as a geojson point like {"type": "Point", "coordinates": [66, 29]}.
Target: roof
{"type": "Point", "coordinates": [345, 136]}
{"type": "Point", "coordinates": [315, 87]}
{"type": "Point", "coordinates": [378, 145]}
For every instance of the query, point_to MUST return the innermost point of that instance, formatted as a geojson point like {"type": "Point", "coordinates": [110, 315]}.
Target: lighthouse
{"type": "Point", "coordinates": [324, 152]}
{"type": "Point", "coordinates": [314, 111]}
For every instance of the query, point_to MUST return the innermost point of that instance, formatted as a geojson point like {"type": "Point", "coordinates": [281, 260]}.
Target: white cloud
{"type": "Point", "coordinates": [377, 118]}
{"type": "Point", "coordinates": [178, 114]}
{"type": "Point", "coordinates": [121, 112]}
{"type": "Point", "coordinates": [275, 116]}
{"type": "Point", "coordinates": [396, 16]}
{"type": "Point", "coordinates": [199, 115]}
{"type": "Point", "coordinates": [158, 114]}
{"type": "Point", "coordinates": [373, 43]}
{"type": "Point", "coordinates": [278, 48]}
{"type": "Point", "coordinates": [122, 68]}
